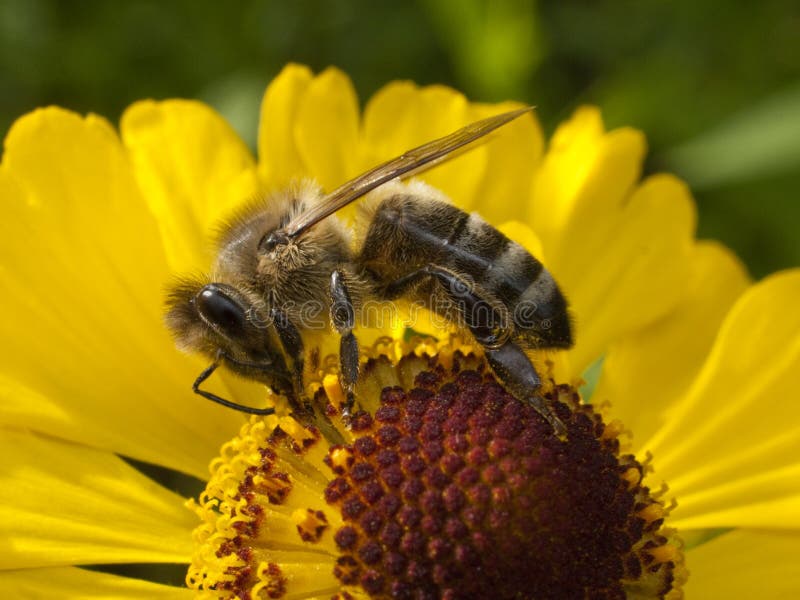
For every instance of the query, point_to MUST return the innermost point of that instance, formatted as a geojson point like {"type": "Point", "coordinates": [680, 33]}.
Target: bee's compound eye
{"type": "Point", "coordinates": [221, 310]}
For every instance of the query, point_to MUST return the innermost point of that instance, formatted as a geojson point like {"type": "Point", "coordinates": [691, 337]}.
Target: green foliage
{"type": "Point", "coordinates": [760, 142]}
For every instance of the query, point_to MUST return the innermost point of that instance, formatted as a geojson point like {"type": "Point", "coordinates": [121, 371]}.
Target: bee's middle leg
{"type": "Point", "coordinates": [343, 317]}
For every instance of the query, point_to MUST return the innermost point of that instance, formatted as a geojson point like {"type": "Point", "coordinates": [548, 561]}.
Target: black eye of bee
{"type": "Point", "coordinates": [221, 310]}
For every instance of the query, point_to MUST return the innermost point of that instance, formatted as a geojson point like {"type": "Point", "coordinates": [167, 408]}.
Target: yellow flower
{"type": "Point", "coordinates": [699, 365]}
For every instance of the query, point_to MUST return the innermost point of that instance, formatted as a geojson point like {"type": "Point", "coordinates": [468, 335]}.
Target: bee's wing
{"type": "Point", "coordinates": [411, 160]}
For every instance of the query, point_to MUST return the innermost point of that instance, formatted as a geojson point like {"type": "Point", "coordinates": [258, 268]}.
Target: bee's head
{"type": "Point", "coordinates": [217, 318]}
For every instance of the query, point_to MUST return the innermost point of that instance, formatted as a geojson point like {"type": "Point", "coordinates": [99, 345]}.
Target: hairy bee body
{"type": "Point", "coordinates": [287, 269]}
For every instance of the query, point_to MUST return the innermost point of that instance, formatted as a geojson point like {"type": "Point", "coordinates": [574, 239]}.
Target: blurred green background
{"type": "Point", "coordinates": [714, 84]}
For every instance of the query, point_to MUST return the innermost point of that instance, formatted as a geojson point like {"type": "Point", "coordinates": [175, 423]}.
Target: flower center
{"type": "Point", "coordinates": [449, 488]}
{"type": "Point", "coordinates": [456, 489]}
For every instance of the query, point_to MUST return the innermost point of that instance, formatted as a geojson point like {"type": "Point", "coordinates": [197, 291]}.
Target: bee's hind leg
{"type": "Point", "coordinates": [343, 318]}
{"type": "Point", "coordinates": [491, 329]}
{"type": "Point", "coordinates": [513, 367]}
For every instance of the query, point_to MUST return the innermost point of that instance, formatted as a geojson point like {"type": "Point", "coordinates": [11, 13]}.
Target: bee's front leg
{"type": "Point", "coordinates": [343, 318]}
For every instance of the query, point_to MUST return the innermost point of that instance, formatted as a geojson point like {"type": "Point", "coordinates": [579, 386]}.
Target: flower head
{"type": "Point", "coordinates": [446, 487]}
{"type": "Point", "coordinates": [699, 366]}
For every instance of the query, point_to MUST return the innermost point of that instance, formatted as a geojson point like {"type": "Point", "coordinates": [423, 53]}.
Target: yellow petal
{"type": "Point", "coordinates": [586, 175]}
{"type": "Point", "coordinates": [64, 504]}
{"type": "Point", "coordinates": [769, 500]}
{"type": "Point", "coordinates": [524, 236]}
{"type": "Point", "coordinates": [67, 189]}
{"type": "Point", "coordinates": [326, 131]}
{"type": "Point", "coordinates": [193, 170]}
{"type": "Point", "coordinates": [80, 584]}
{"type": "Point", "coordinates": [619, 251]}
{"type": "Point", "coordinates": [745, 564]}
{"type": "Point", "coordinates": [628, 268]}
{"type": "Point", "coordinates": [279, 159]}
{"type": "Point", "coordinates": [513, 155]}
{"type": "Point", "coordinates": [645, 372]}
{"type": "Point", "coordinates": [400, 117]}
{"type": "Point", "coordinates": [86, 349]}
{"type": "Point", "coordinates": [387, 123]}
{"type": "Point", "coordinates": [730, 448]}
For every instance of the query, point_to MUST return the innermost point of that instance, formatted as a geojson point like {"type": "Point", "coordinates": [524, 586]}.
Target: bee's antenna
{"type": "Point", "coordinates": [214, 398]}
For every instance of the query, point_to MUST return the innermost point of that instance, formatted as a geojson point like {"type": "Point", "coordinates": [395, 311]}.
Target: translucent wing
{"type": "Point", "coordinates": [411, 160]}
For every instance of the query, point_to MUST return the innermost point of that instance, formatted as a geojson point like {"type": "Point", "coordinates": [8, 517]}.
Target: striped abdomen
{"type": "Point", "coordinates": [408, 232]}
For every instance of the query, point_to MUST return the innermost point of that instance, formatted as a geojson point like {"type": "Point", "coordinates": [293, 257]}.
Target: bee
{"type": "Point", "coordinates": [286, 254]}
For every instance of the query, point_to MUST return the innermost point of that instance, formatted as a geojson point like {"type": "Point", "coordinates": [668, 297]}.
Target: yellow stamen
{"type": "Point", "coordinates": [613, 430]}
{"type": "Point", "coordinates": [652, 512]}
{"type": "Point", "coordinates": [632, 476]}
{"type": "Point", "coordinates": [311, 524]}
{"type": "Point", "coordinates": [333, 389]}
{"type": "Point", "coordinates": [666, 553]}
